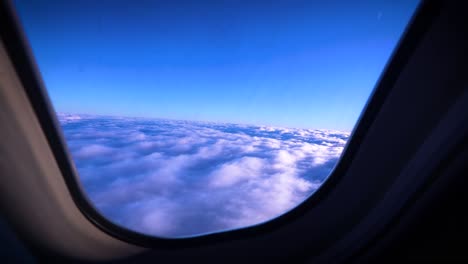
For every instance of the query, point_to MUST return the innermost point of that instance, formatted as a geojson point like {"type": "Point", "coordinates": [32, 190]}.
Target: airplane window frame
{"type": "Point", "coordinates": [21, 55]}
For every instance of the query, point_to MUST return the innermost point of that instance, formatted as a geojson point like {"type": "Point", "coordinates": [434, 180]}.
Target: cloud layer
{"type": "Point", "coordinates": [181, 178]}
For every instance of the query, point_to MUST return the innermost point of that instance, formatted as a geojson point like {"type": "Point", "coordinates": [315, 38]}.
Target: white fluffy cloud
{"type": "Point", "coordinates": [179, 178]}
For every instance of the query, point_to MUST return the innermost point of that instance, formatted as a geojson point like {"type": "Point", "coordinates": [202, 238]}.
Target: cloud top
{"type": "Point", "coordinates": [180, 178]}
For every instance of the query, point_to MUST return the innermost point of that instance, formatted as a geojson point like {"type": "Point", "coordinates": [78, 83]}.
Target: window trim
{"type": "Point", "coordinates": [22, 58]}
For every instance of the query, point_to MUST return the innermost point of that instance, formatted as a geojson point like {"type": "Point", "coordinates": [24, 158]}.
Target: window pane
{"type": "Point", "coordinates": [192, 117]}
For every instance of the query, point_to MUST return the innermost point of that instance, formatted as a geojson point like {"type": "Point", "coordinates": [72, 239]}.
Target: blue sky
{"type": "Point", "coordinates": [309, 64]}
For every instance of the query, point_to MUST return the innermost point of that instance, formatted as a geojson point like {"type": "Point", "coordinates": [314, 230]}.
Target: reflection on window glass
{"type": "Point", "coordinates": [192, 117]}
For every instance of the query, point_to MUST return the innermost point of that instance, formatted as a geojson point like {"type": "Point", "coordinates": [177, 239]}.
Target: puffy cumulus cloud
{"type": "Point", "coordinates": [232, 173]}
{"type": "Point", "coordinates": [180, 178]}
{"type": "Point", "coordinates": [93, 150]}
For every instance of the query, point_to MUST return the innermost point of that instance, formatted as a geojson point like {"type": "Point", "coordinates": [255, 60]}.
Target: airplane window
{"type": "Point", "coordinates": [185, 118]}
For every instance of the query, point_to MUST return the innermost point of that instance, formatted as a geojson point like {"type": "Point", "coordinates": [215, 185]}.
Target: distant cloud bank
{"type": "Point", "coordinates": [181, 178]}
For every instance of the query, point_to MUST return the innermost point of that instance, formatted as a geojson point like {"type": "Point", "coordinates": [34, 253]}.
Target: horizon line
{"type": "Point", "coordinates": [200, 121]}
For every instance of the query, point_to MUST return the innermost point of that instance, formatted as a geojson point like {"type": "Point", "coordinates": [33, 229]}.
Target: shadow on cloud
{"type": "Point", "coordinates": [181, 178]}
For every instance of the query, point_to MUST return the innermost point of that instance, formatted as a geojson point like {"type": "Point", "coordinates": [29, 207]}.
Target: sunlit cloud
{"type": "Point", "coordinates": [179, 178]}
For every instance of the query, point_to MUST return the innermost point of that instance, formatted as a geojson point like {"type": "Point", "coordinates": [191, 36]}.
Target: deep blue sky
{"type": "Point", "coordinates": [310, 64]}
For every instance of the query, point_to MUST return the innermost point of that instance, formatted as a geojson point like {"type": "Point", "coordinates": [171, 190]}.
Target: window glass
{"type": "Point", "coordinates": [192, 117]}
